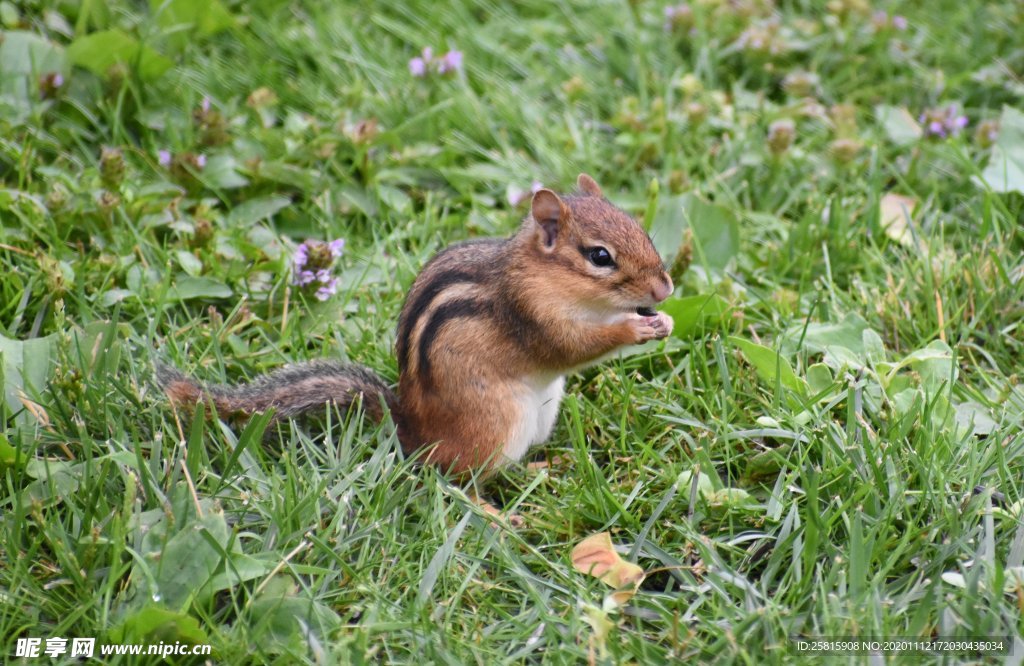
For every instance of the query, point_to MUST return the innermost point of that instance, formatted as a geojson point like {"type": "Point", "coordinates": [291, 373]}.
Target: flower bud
{"type": "Point", "coordinates": [780, 135]}
{"type": "Point", "coordinates": [202, 232]}
{"type": "Point", "coordinates": [800, 83]}
{"type": "Point", "coordinates": [845, 150]}
{"type": "Point", "coordinates": [57, 198]}
{"type": "Point", "coordinates": [108, 201]}
{"type": "Point", "coordinates": [696, 112]}
{"type": "Point", "coordinates": [844, 118]}
{"type": "Point", "coordinates": [112, 168]}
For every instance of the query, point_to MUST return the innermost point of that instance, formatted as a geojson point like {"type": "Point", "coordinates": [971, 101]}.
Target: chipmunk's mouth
{"type": "Point", "coordinates": [646, 311]}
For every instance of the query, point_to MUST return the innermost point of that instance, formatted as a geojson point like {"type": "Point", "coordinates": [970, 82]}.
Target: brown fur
{"type": "Point", "coordinates": [481, 319]}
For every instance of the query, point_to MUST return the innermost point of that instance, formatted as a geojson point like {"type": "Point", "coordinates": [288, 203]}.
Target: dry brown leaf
{"type": "Point", "coordinates": [895, 211]}
{"type": "Point", "coordinates": [35, 409]}
{"type": "Point", "coordinates": [596, 556]}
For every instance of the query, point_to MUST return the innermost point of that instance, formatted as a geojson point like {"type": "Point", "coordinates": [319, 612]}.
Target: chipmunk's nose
{"type": "Point", "coordinates": [662, 288]}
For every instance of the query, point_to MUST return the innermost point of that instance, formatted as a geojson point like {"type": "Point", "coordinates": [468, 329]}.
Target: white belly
{"type": "Point", "coordinates": [538, 409]}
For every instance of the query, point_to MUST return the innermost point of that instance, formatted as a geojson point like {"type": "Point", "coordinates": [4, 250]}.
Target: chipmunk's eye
{"type": "Point", "coordinates": [600, 257]}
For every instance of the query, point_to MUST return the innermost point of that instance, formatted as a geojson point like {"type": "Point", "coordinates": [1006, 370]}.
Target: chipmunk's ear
{"type": "Point", "coordinates": [550, 213]}
{"type": "Point", "coordinates": [588, 185]}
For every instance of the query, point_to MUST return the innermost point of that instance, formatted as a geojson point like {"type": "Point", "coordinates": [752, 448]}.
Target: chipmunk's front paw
{"type": "Point", "coordinates": [651, 328]}
{"type": "Point", "coordinates": [664, 325]}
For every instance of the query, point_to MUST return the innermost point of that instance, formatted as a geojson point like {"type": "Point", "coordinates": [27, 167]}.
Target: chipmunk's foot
{"type": "Point", "coordinates": [513, 519]}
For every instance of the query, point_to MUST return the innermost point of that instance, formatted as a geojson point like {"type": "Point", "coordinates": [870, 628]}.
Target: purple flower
{"type": "Point", "coordinates": [450, 62]}
{"type": "Point", "coordinates": [327, 290]}
{"type": "Point", "coordinates": [418, 67]}
{"type": "Point", "coordinates": [201, 161]}
{"type": "Point", "coordinates": [205, 104]}
{"type": "Point", "coordinates": [882, 21]}
{"type": "Point", "coordinates": [941, 123]}
{"type": "Point", "coordinates": [50, 84]}
{"type": "Point", "coordinates": [423, 64]}
{"type": "Point", "coordinates": [312, 266]}
{"type": "Point", "coordinates": [163, 158]}
{"type": "Point", "coordinates": [301, 256]}
{"type": "Point", "coordinates": [536, 186]}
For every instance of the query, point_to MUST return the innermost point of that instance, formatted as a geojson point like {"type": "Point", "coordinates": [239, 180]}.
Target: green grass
{"type": "Point", "coordinates": [866, 508]}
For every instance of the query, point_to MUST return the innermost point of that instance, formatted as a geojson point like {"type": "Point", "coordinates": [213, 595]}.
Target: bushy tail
{"type": "Point", "coordinates": [292, 391]}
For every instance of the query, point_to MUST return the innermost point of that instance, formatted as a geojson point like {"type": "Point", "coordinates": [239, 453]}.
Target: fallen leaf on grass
{"type": "Point", "coordinates": [895, 211]}
{"type": "Point", "coordinates": [596, 556]}
{"type": "Point", "coordinates": [35, 409]}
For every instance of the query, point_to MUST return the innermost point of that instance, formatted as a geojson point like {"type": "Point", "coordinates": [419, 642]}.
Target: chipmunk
{"type": "Point", "coordinates": [487, 334]}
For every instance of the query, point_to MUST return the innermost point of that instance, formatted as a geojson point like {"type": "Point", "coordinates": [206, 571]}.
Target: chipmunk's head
{"type": "Point", "coordinates": [597, 255]}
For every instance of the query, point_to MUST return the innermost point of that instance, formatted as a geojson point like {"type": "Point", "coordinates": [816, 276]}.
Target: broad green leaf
{"type": "Point", "coordinates": [189, 262]}
{"type": "Point", "coordinates": [819, 378]}
{"type": "Point", "coordinates": [27, 368]}
{"type": "Point", "coordinates": [183, 18]}
{"type": "Point", "coordinates": [26, 54]}
{"type": "Point", "coordinates": [113, 296]}
{"type": "Point", "coordinates": [942, 413]}
{"type": "Point", "coordinates": [704, 484]}
{"type": "Point", "coordinates": [874, 349]}
{"type": "Point", "coordinates": [692, 314]}
{"type": "Point", "coordinates": [907, 402]}
{"type": "Point", "coordinates": [254, 210]}
{"type": "Point", "coordinates": [934, 364]}
{"type": "Point", "coordinates": [188, 560]}
{"type": "Point", "coordinates": [765, 464]}
{"type": "Point", "coordinates": [238, 569]}
{"type": "Point", "coordinates": [221, 173]}
{"type": "Point", "coordinates": [848, 333]}
{"type": "Point", "coordinates": [715, 230]}
{"type": "Point", "coordinates": [92, 14]}
{"type": "Point", "coordinates": [24, 58]}
{"type": "Point", "coordinates": [899, 125]}
{"type": "Point", "coordinates": [187, 287]}
{"type": "Point", "coordinates": [100, 50]}
{"type": "Point", "coordinates": [9, 16]}
{"type": "Point", "coordinates": [971, 417]}
{"type": "Point", "coordinates": [282, 172]}
{"type": "Point", "coordinates": [280, 618]}
{"type": "Point", "coordinates": [769, 365]}
{"type": "Point", "coordinates": [1005, 170]}
{"type": "Point", "coordinates": [394, 198]}
{"type": "Point", "coordinates": [156, 623]}
{"type": "Point", "coordinates": [8, 454]}
{"type": "Point", "coordinates": [55, 481]}
{"type": "Point", "coordinates": [729, 497]}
